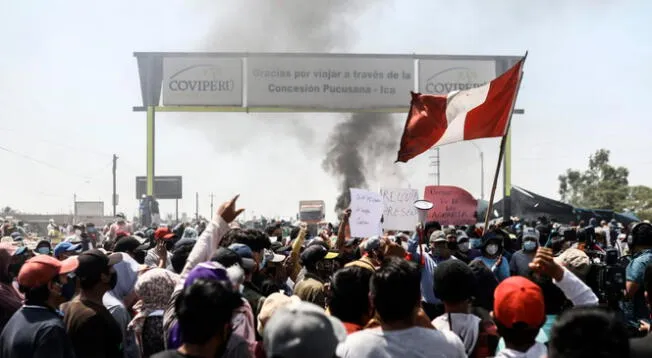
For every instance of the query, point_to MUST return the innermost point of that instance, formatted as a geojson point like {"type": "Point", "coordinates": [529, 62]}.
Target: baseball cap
{"type": "Point", "coordinates": [185, 241]}
{"type": "Point", "coordinates": [66, 246]}
{"type": "Point", "coordinates": [271, 304]}
{"type": "Point", "coordinates": [462, 236]}
{"type": "Point", "coordinates": [519, 300]}
{"type": "Point", "coordinates": [129, 243]}
{"type": "Point", "coordinates": [41, 269]}
{"type": "Point", "coordinates": [372, 243]}
{"type": "Point", "coordinates": [576, 261]}
{"type": "Point", "coordinates": [302, 329]}
{"type": "Point", "coordinates": [245, 254]}
{"type": "Point", "coordinates": [94, 262]}
{"type": "Point", "coordinates": [208, 270]}
{"type": "Point", "coordinates": [530, 233]}
{"type": "Point", "coordinates": [315, 253]}
{"type": "Point", "coordinates": [163, 233]}
{"type": "Point", "coordinates": [271, 256]}
{"type": "Point", "coordinates": [438, 236]}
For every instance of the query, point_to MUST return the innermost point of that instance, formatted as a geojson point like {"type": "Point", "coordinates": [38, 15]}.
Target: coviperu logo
{"type": "Point", "coordinates": [453, 79]}
{"type": "Point", "coordinates": [200, 78]}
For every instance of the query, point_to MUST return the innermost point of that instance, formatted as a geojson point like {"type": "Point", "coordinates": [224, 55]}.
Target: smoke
{"type": "Point", "coordinates": [361, 150]}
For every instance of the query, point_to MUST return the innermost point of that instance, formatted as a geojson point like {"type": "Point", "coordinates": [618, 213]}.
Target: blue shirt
{"type": "Point", "coordinates": [636, 309]}
{"type": "Point", "coordinates": [427, 271]}
{"type": "Point", "coordinates": [503, 270]}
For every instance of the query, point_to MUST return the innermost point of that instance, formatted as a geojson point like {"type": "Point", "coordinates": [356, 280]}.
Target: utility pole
{"type": "Point", "coordinates": [113, 199]}
{"type": "Point", "coordinates": [482, 175]}
{"type": "Point", "coordinates": [212, 213]}
{"type": "Point", "coordinates": [197, 206]}
{"type": "Point", "coordinates": [74, 208]}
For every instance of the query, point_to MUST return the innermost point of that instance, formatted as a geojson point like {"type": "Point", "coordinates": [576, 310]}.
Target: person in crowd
{"type": "Point", "coordinates": [486, 283]}
{"type": "Point", "coordinates": [520, 261]}
{"type": "Point", "coordinates": [132, 247]}
{"type": "Point", "coordinates": [395, 294]}
{"type": "Point", "coordinates": [302, 330]}
{"type": "Point", "coordinates": [463, 248]}
{"type": "Point", "coordinates": [36, 329]}
{"type": "Point", "coordinates": [154, 255]}
{"type": "Point", "coordinates": [519, 313]}
{"type": "Point", "coordinates": [180, 254]}
{"type": "Point", "coordinates": [92, 329]}
{"type": "Point", "coordinates": [430, 303]}
{"type": "Point", "coordinates": [455, 284]}
{"type": "Point", "coordinates": [121, 298]}
{"type": "Point", "coordinates": [65, 249]}
{"type": "Point", "coordinates": [372, 252]}
{"type": "Point", "coordinates": [588, 332]}
{"type": "Point", "coordinates": [276, 271]}
{"type": "Point", "coordinates": [43, 247]}
{"type": "Point", "coordinates": [642, 346]}
{"type": "Point", "coordinates": [250, 291]}
{"type": "Point", "coordinates": [204, 310]}
{"type": "Point", "coordinates": [492, 255]}
{"type": "Point", "coordinates": [120, 224]}
{"type": "Point", "coordinates": [154, 289]}
{"type": "Point", "coordinates": [439, 247]}
{"type": "Point", "coordinates": [634, 307]}
{"type": "Point", "coordinates": [348, 297]}
{"type": "Point", "coordinates": [272, 303]}
{"type": "Point", "coordinates": [10, 299]}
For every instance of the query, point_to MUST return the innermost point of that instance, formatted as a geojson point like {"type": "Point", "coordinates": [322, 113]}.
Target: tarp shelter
{"type": "Point", "coordinates": [528, 205]}
{"type": "Point", "coordinates": [603, 214]}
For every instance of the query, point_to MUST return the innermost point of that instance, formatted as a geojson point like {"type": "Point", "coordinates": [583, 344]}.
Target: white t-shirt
{"type": "Point", "coordinates": [538, 350]}
{"type": "Point", "coordinates": [414, 342]}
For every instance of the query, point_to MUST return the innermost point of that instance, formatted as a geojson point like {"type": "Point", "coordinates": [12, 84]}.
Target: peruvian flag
{"type": "Point", "coordinates": [481, 112]}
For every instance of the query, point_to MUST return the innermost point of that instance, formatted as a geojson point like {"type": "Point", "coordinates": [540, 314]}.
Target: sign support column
{"type": "Point", "coordinates": [150, 149]}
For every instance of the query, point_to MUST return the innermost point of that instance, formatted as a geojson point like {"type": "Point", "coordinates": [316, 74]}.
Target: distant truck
{"type": "Point", "coordinates": [312, 211]}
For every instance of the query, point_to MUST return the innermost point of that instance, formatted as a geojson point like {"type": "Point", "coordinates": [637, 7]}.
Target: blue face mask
{"type": "Point", "coordinates": [475, 243]}
{"type": "Point", "coordinates": [529, 246]}
{"type": "Point", "coordinates": [43, 250]}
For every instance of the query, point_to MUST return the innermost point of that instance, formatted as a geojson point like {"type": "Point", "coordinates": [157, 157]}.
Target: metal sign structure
{"type": "Point", "coordinates": [165, 187]}
{"type": "Point", "coordinates": [300, 82]}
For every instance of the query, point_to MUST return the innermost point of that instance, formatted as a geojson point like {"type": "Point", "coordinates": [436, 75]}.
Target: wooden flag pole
{"type": "Point", "coordinates": [503, 143]}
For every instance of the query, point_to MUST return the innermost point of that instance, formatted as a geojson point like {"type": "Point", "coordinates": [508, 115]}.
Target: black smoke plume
{"type": "Point", "coordinates": [361, 150]}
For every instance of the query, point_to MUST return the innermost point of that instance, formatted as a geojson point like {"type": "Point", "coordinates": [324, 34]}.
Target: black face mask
{"type": "Point", "coordinates": [114, 280]}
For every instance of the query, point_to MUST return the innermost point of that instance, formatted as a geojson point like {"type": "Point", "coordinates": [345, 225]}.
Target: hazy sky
{"type": "Point", "coordinates": [68, 81]}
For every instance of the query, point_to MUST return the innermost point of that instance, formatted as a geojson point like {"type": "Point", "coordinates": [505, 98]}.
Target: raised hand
{"type": "Point", "coordinates": [228, 211]}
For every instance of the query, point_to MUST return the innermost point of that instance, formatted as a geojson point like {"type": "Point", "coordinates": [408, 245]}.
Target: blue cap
{"type": "Point", "coordinates": [65, 246]}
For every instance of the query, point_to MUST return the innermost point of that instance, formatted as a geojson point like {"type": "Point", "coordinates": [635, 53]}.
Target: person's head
{"type": "Point", "coordinates": [299, 330]}
{"type": "Point", "coordinates": [155, 287]}
{"type": "Point", "coordinates": [96, 272]}
{"type": "Point", "coordinates": [257, 242]}
{"type": "Point", "coordinates": [180, 256]}
{"type": "Point", "coordinates": [374, 247]}
{"type": "Point", "coordinates": [65, 249]}
{"type": "Point", "coordinates": [131, 246]}
{"type": "Point", "coordinates": [318, 260]}
{"type": "Point", "coordinates": [274, 230]}
{"type": "Point", "coordinates": [43, 247]}
{"type": "Point", "coordinates": [47, 281]}
{"type": "Point", "coordinates": [348, 295]}
{"type": "Point", "coordinates": [451, 238]}
{"type": "Point", "coordinates": [430, 227]}
{"type": "Point", "coordinates": [641, 237]}
{"type": "Point", "coordinates": [204, 310]}
{"type": "Point", "coordinates": [588, 332]}
{"type": "Point", "coordinates": [530, 240]}
{"type": "Point", "coordinates": [246, 257]}
{"type": "Point", "coordinates": [395, 290]}
{"type": "Point", "coordinates": [120, 218]}
{"type": "Point", "coordinates": [454, 282]}
{"type": "Point", "coordinates": [519, 311]}
{"type": "Point", "coordinates": [492, 245]}
{"type": "Point", "coordinates": [439, 245]}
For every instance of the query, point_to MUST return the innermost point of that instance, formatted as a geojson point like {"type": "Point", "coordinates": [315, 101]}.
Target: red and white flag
{"type": "Point", "coordinates": [481, 112]}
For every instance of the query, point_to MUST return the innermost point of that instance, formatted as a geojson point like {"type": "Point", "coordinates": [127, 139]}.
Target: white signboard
{"type": "Point", "coordinates": [366, 211]}
{"type": "Point", "coordinates": [202, 81]}
{"type": "Point", "coordinates": [89, 208]}
{"type": "Point", "coordinates": [444, 76]}
{"type": "Point", "coordinates": [329, 82]}
{"type": "Point", "coordinates": [399, 212]}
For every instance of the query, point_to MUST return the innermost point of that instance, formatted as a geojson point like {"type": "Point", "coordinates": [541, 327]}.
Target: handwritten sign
{"type": "Point", "coordinates": [453, 205]}
{"type": "Point", "coordinates": [398, 209]}
{"type": "Point", "coordinates": [366, 210]}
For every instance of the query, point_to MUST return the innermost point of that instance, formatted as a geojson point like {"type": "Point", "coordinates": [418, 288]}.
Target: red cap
{"type": "Point", "coordinates": [41, 269]}
{"type": "Point", "coordinates": [518, 299]}
{"type": "Point", "coordinates": [163, 233]}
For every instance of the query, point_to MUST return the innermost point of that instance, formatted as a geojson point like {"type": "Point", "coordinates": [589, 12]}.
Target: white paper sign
{"type": "Point", "coordinates": [203, 81]}
{"type": "Point", "coordinates": [329, 82]}
{"type": "Point", "coordinates": [399, 212]}
{"type": "Point", "coordinates": [366, 211]}
{"type": "Point", "coordinates": [445, 76]}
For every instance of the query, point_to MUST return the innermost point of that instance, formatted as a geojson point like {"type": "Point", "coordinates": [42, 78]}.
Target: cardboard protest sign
{"type": "Point", "coordinates": [453, 205]}
{"type": "Point", "coordinates": [398, 209]}
{"type": "Point", "coordinates": [366, 210]}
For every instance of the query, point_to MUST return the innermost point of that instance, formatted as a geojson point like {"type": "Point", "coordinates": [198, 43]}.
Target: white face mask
{"type": "Point", "coordinates": [492, 249]}
{"type": "Point", "coordinates": [464, 247]}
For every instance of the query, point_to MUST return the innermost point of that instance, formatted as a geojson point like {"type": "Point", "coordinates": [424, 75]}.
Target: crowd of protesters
{"type": "Point", "coordinates": [217, 290]}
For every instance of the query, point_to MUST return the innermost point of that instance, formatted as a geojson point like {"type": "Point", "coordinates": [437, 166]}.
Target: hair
{"type": "Point", "coordinates": [88, 282]}
{"type": "Point", "coordinates": [348, 297]}
{"type": "Point", "coordinates": [226, 257]}
{"type": "Point", "coordinates": [271, 228]}
{"type": "Point", "coordinates": [454, 281]}
{"type": "Point", "coordinates": [588, 332]}
{"type": "Point", "coordinates": [396, 290]}
{"type": "Point", "coordinates": [642, 234]}
{"type": "Point", "coordinates": [35, 295]}
{"type": "Point", "coordinates": [204, 308]}
{"type": "Point", "coordinates": [294, 233]}
{"type": "Point", "coordinates": [179, 257]}
{"type": "Point", "coordinates": [255, 239]}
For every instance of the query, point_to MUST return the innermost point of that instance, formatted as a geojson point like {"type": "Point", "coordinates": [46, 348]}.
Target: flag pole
{"type": "Point", "coordinates": [501, 154]}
